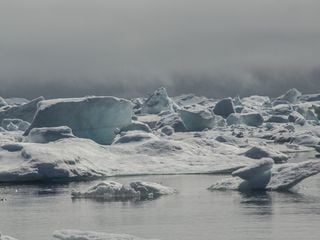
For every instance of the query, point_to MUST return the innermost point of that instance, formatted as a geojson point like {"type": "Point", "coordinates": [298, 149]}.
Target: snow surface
{"type": "Point", "coordinates": [89, 235]}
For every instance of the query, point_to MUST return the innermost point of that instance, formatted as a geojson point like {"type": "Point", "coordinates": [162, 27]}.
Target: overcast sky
{"type": "Point", "coordinates": [217, 48]}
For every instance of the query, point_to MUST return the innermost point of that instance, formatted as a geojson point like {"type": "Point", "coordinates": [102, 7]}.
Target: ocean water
{"type": "Point", "coordinates": [33, 212]}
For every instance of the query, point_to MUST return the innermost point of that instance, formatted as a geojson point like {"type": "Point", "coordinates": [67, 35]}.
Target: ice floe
{"type": "Point", "coordinates": [114, 191]}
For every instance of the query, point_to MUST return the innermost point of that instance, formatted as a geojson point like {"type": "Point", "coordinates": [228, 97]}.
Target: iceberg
{"type": "Point", "coordinates": [96, 118]}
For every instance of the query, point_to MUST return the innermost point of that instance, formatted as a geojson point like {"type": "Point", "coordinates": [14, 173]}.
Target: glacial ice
{"type": "Point", "coordinates": [14, 124]}
{"type": "Point", "coordinates": [3, 102]}
{"type": "Point", "coordinates": [89, 235]}
{"type": "Point", "coordinates": [96, 118]}
{"type": "Point", "coordinates": [253, 119]}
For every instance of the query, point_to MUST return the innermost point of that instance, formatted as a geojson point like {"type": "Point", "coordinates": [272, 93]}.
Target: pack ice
{"type": "Point", "coordinates": [91, 137]}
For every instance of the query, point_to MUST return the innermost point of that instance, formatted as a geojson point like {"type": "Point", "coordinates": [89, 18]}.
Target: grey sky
{"type": "Point", "coordinates": [128, 47]}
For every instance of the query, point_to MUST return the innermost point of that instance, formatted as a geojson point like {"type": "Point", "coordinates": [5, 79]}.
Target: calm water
{"type": "Point", "coordinates": [195, 213]}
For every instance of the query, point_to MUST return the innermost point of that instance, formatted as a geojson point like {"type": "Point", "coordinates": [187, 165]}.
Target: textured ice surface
{"type": "Point", "coordinates": [89, 235]}
{"type": "Point", "coordinates": [96, 118]}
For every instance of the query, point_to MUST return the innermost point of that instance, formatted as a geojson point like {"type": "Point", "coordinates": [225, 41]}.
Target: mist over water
{"type": "Point", "coordinates": [61, 48]}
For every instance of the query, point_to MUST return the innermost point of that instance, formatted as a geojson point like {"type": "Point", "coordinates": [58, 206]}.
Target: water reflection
{"type": "Point", "coordinates": [258, 201]}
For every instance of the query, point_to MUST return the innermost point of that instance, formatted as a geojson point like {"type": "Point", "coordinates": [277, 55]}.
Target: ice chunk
{"type": "Point", "coordinates": [256, 176]}
{"type": "Point", "coordinates": [96, 118]}
{"type": "Point", "coordinates": [133, 136]}
{"type": "Point", "coordinates": [310, 97]}
{"type": "Point", "coordinates": [115, 191]}
{"type": "Point", "coordinates": [305, 140]}
{"type": "Point", "coordinates": [18, 124]}
{"type": "Point", "coordinates": [12, 147]}
{"type": "Point", "coordinates": [88, 235]}
{"type": "Point", "coordinates": [281, 109]}
{"type": "Point", "coordinates": [16, 101]}
{"type": "Point", "coordinates": [283, 177]}
{"type": "Point", "coordinates": [25, 111]}
{"type": "Point", "coordinates": [288, 175]}
{"type": "Point", "coordinates": [252, 119]}
{"type": "Point", "coordinates": [167, 130]}
{"type": "Point", "coordinates": [197, 118]}
{"type": "Point", "coordinates": [173, 120]}
{"type": "Point", "coordinates": [259, 152]}
{"type": "Point", "coordinates": [3, 102]}
{"type": "Point", "coordinates": [151, 190]}
{"type": "Point", "coordinates": [136, 125]}
{"type": "Point", "coordinates": [292, 96]}
{"type": "Point", "coordinates": [49, 134]}
{"type": "Point", "coordinates": [108, 191]}
{"type": "Point", "coordinates": [159, 101]}
{"type": "Point", "coordinates": [224, 107]}
{"type": "Point", "coordinates": [278, 119]}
